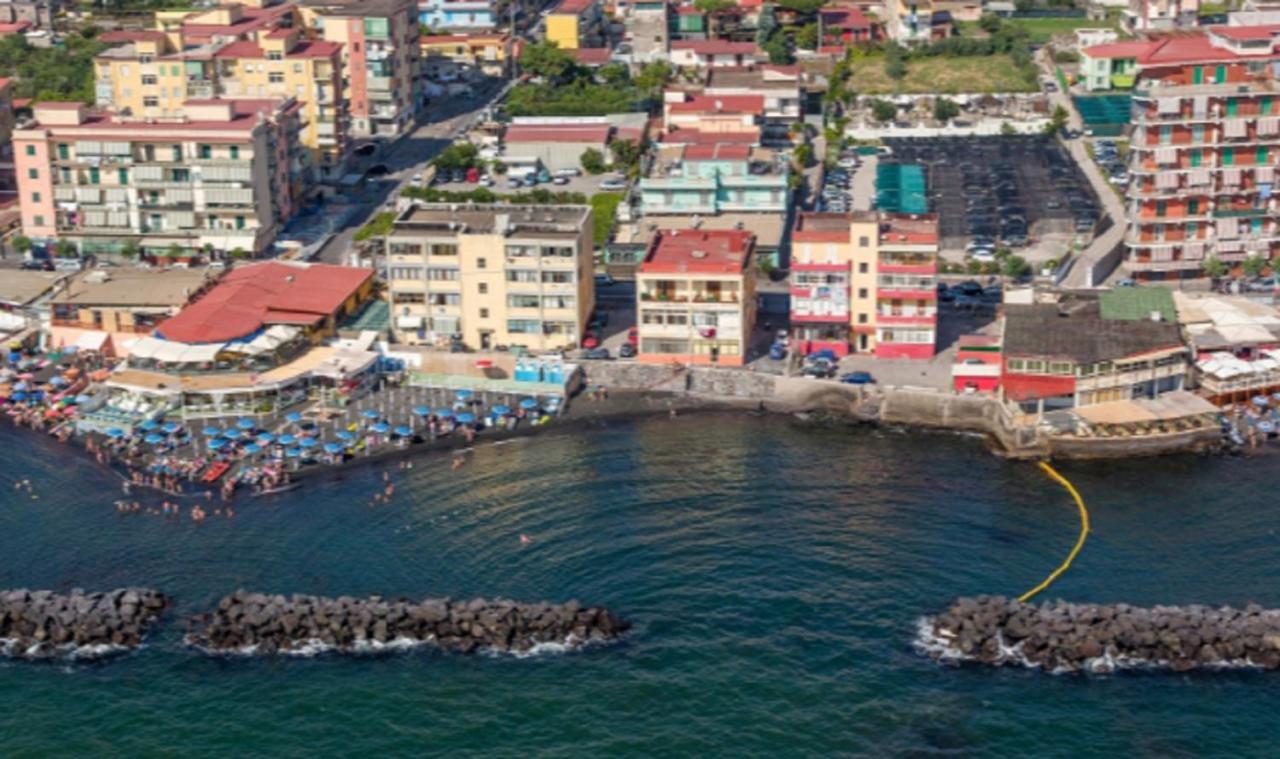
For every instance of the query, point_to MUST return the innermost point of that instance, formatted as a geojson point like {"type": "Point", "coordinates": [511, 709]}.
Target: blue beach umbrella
{"type": "Point", "coordinates": [217, 443]}
{"type": "Point", "coordinates": [293, 417]}
{"type": "Point", "coordinates": [463, 395]}
{"type": "Point", "coordinates": [293, 453]}
{"type": "Point", "coordinates": [381, 428]}
{"type": "Point", "coordinates": [286, 440]}
{"type": "Point", "coordinates": [308, 442]}
{"type": "Point", "coordinates": [528, 404]}
{"type": "Point", "coordinates": [171, 427]}
{"type": "Point", "coordinates": [20, 386]}
{"type": "Point", "coordinates": [403, 431]}
{"type": "Point", "coordinates": [115, 432]}
{"type": "Point", "coordinates": [370, 414]}
{"type": "Point", "coordinates": [344, 436]}
{"type": "Point", "coordinates": [1260, 400]}
{"type": "Point", "coordinates": [334, 448]}
{"type": "Point", "coordinates": [18, 396]}
{"type": "Point", "coordinates": [233, 434]}
{"type": "Point", "coordinates": [501, 410]}
{"type": "Point", "coordinates": [245, 423]}
{"type": "Point", "coordinates": [444, 413]}
{"type": "Point", "coordinates": [58, 381]}
{"type": "Point", "coordinates": [211, 432]}
{"type": "Point", "coordinates": [265, 438]}
{"type": "Point", "coordinates": [153, 439]}
{"type": "Point", "coordinates": [421, 410]}
{"type": "Point", "coordinates": [149, 425]}
{"type": "Point", "coordinates": [252, 448]}
{"type": "Point", "coordinates": [465, 418]}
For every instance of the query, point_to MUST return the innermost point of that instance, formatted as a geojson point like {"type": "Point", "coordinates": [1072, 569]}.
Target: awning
{"type": "Point", "coordinates": [145, 347]}
{"type": "Point", "coordinates": [409, 322]}
{"type": "Point", "coordinates": [91, 340]}
{"type": "Point", "coordinates": [199, 354]}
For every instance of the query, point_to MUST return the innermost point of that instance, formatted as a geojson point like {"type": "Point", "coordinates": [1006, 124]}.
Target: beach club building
{"type": "Point", "coordinates": [249, 347]}
{"type": "Point", "coordinates": [696, 299]}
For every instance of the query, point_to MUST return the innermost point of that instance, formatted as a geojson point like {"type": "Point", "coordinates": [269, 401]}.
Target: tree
{"type": "Point", "coordinates": [66, 249]}
{"type": "Point", "coordinates": [1253, 265]}
{"type": "Point", "coordinates": [1007, 129]}
{"type": "Point", "coordinates": [1022, 6]}
{"type": "Point", "coordinates": [895, 62]}
{"type": "Point", "coordinates": [547, 60]}
{"type": "Point", "coordinates": [807, 37]}
{"type": "Point", "coordinates": [803, 7]}
{"type": "Point", "coordinates": [1214, 268]}
{"type": "Point", "coordinates": [653, 77]}
{"type": "Point", "coordinates": [22, 244]}
{"type": "Point", "coordinates": [614, 74]}
{"type": "Point", "coordinates": [778, 48]}
{"type": "Point", "coordinates": [712, 10]}
{"type": "Point", "coordinates": [883, 110]}
{"type": "Point", "coordinates": [989, 23]}
{"type": "Point", "coordinates": [239, 253]}
{"type": "Point", "coordinates": [460, 155]}
{"type": "Point", "coordinates": [804, 154]}
{"type": "Point", "coordinates": [1015, 266]}
{"type": "Point", "coordinates": [378, 226]}
{"type": "Point", "coordinates": [1057, 120]}
{"type": "Point", "coordinates": [130, 249]}
{"type": "Point", "coordinates": [592, 161]}
{"type": "Point", "coordinates": [945, 110]}
{"type": "Point", "coordinates": [625, 152]}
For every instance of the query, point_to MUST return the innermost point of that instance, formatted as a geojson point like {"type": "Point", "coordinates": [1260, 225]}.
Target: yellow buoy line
{"type": "Point", "coordinates": [1084, 532]}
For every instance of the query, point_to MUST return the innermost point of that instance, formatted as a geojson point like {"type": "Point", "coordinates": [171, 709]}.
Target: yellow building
{"type": "Point", "coordinates": [488, 53]}
{"type": "Point", "coordinates": [497, 275]}
{"type": "Point", "coordinates": [574, 24]}
{"type": "Point", "coordinates": [833, 297]}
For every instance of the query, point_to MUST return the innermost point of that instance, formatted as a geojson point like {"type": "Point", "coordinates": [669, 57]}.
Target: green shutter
{"type": "Point", "coordinates": [1197, 75]}
{"type": "Point", "coordinates": [1232, 104]}
{"type": "Point", "coordinates": [1195, 157]}
{"type": "Point", "coordinates": [1228, 156]}
{"type": "Point", "coordinates": [1260, 156]}
{"type": "Point", "coordinates": [1220, 77]}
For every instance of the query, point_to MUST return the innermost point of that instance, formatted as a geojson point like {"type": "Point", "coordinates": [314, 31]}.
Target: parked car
{"type": "Point", "coordinates": [590, 340]}
{"type": "Point", "coordinates": [597, 354]}
{"type": "Point", "coordinates": [613, 183]}
{"type": "Point", "coordinates": [568, 172]}
{"type": "Point", "coordinates": [627, 350]}
{"type": "Point", "coordinates": [604, 280]}
{"type": "Point", "coordinates": [633, 337]}
{"type": "Point", "coordinates": [38, 264]}
{"type": "Point", "coordinates": [821, 369]}
{"type": "Point", "coordinates": [560, 180]}
{"type": "Point", "coordinates": [857, 378]}
{"type": "Point", "coordinates": [378, 170]}
{"type": "Point", "coordinates": [968, 287]}
{"type": "Point", "coordinates": [778, 351]}
{"type": "Point", "coordinates": [983, 256]}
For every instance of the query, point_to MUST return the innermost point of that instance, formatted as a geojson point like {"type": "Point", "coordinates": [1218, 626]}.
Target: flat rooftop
{"type": "Point", "coordinates": [21, 287]}
{"type": "Point", "coordinates": [452, 218]}
{"type": "Point", "coordinates": [134, 287]}
{"type": "Point", "coordinates": [767, 227]}
{"type": "Point", "coordinates": [701, 251]}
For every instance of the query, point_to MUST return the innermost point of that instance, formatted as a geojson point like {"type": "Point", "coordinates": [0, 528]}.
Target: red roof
{"type": "Point", "coordinates": [573, 6]}
{"type": "Point", "coordinates": [820, 226]}
{"type": "Point", "coordinates": [15, 27]}
{"type": "Point", "coordinates": [717, 47]}
{"type": "Point", "coordinates": [251, 297]}
{"type": "Point", "coordinates": [1193, 48]}
{"type": "Point", "coordinates": [250, 49]}
{"type": "Point", "coordinates": [136, 35]}
{"type": "Point", "coordinates": [911, 229]}
{"type": "Point", "coordinates": [717, 152]}
{"type": "Point", "coordinates": [1259, 32]}
{"type": "Point", "coordinates": [844, 18]}
{"type": "Point", "coordinates": [720, 104]}
{"type": "Point", "coordinates": [705, 251]}
{"type": "Point", "coordinates": [592, 56]}
{"type": "Point", "coordinates": [1131, 49]}
{"type": "Point", "coordinates": [593, 133]}
{"type": "Point", "coordinates": [699, 137]}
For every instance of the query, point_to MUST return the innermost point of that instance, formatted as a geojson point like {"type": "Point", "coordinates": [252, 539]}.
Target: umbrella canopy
{"type": "Point", "coordinates": [211, 432]}
{"type": "Point", "coordinates": [463, 395]}
{"type": "Point", "coordinates": [217, 443]}
{"type": "Point", "coordinates": [370, 414]}
{"type": "Point", "coordinates": [149, 425]}
{"type": "Point", "coordinates": [344, 435]}
{"type": "Point", "coordinates": [484, 363]}
{"type": "Point", "coordinates": [115, 432]}
{"type": "Point", "coordinates": [245, 423]}
{"type": "Point", "coordinates": [403, 431]}
{"type": "Point", "coordinates": [444, 413]}
{"type": "Point", "coordinates": [265, 438]}
{"type": "Point", "coordinates": [18, 396]}
{"type": "Point", "coordinates": [293, 417]}
{"type": "Point", "coordinates": [293, 453]}
{"type": "Point", "coordinates": [421, 410]}
{"type": "Point", "coordinates": [528, 404]}
{"type": "Point", "coordinates": [308, 442]}
{"type": "Point", "coordinates": [501, 410]}
{"type": "Point", "coordinates": [171, 427]}
{"type": "Point", "coordinates": [20, 386]}
{"type": "Point", "coordinates": [465, 418]}
{"type": "Point", "coordinates": [83, 399]}
{"type": "Point", "coordinates": [153, 439]}
{"type": "Point", "coordinates": [1260, 400]}
{"type": "Point", "coordinates": [57, 381]}
{"type": "Point", "coordinates": [252, 448]}
{"type": "Point", "coordinates": [233, 434]}
{"type": "Point", "coordinates": [381, 428]}
{"type": "Point", "coordinates": [334, 448]}
{"type": "Point", "coordinates": [286, 440]}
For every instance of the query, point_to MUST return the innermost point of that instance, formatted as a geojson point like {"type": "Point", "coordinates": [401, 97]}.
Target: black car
{"type": "Point", "coordinates": [627, 351]}
{"type": "Point", "coordinates": [38, 264]}
{"type": "Point", "coordinates": [378, 170]}
{"type": "Point", "coordinates": [598, 354]}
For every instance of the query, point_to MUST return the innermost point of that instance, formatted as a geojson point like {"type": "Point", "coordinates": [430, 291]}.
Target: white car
{"type": "Point", "coordinates": [984, 256]}
{"type": "Point", "coordinates": [417, 179]}
{"type": "Point", "coordinates": [486, 181]}
{"type": "Point", "coordinates": [613, 183]}
{"type": "Point", "coordinates": [567, 173]}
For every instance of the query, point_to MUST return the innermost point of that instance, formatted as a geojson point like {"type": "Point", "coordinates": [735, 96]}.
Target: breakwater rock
{"type": "Point", "coordinates": [41, 624]}
{"type": "Point", "coordinates": [273, 624]}
{"type": "Point", "coordinates": [1063, 637]}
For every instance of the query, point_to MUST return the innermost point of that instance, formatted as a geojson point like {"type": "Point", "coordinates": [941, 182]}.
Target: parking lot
{"type": "Point", "coordinates": [835, 194]}
{"type": "Point", "coordinates": [1000, 191]}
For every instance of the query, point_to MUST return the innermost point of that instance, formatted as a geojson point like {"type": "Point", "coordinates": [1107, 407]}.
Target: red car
{"type": "Point", "coordinates": [590, 340]}
{"type": "Point", "coordinates": [633, 336]}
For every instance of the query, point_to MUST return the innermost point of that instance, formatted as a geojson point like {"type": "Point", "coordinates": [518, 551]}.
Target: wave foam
{"type": "Point", "coordinates": [11, 648]}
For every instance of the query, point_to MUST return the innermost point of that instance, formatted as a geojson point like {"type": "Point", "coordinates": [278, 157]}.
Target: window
{"type": "Point", "coordinates": [39, 220]}
{"type": "Point", "coordinates": [35, 197]}
{"type": "Point", "coordinates": [1228, 156]}
{"type": "Point", "coordinates": [64, 151]}
{"type": "Point", "coordinates": [177, 152]}
{"type": "Point", "coordinates": [148, 79]}
{"type": "Point", "coordinates": [65, 175]}
{"type": "Point", "coordinates": [483, 288]}
{"type": "Point", "coordinates": [864, 241]}
{"type": "Point", "coordinates": [297, 68]}
{"type": "Point", "coordinates": [443, 249]}
{"type": "Point", "coordinates": [275, 77]}
{"type": "Point", "coordinates": [480, 262]}
{"type": "Point", "coordinates": [275, 55]}
{"type": "Point", "coordinates": [522, 276]}
{"type": "Point", "coordinates": [239, 222]}
{"type": "Point", "coordinates": [863, 268]}
{"type": "Point", "coordinates": [123, 176]}
{"type": "Point", "coordinates": [484, 313]}
{"type": "Point", "coordinates": [442, 275]}
{"type": "Point", "coordinates": [1260, 155]}
{"type": "Point", "coordinates": [522, 301]}
{"type": "Point", "coordinates": [524, 326]}
{"type": "Point", "coordinates": [862, 318]}
{"type": "Point", "coordinates": [31, 150]}
{"type": "Point", "coordinates": [1016, 365]}
{"type": "Point", "coordinates": [862, 292]}
{"type": "Point", "coordinates": [235, 152]}
{"type": "Point", "coordinates": [182, 175]}
{"type": "Point", "coordinates": [94, 175]}
{"type": "Point", "coordinates": [150, 102]}
{"type": "Point", "coordinates": [206, 151]}
{"type": "Point", "coordinates": [33, 173]}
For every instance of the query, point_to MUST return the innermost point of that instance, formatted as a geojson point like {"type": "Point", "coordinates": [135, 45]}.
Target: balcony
{"type": "Point", "coordinates": [379, 83]}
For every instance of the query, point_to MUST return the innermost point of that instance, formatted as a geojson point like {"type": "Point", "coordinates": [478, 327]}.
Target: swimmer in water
{"type": "Point", "coordinates": [458, 461]}
{"type": "Point", "coordinates": [525, 539]}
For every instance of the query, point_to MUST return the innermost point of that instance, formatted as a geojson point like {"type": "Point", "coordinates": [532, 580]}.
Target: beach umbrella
{"type": "Point", "coordinates": [149, 425]}
{"type": "Point", "coordinates": [422, 410]}
{"type": "Point", "coordinates": [501, 410]}
{"type": "Point", "coordinates": [58, 381]}
{"type": "Point", "coordinates": [370, 414]}
{"type": "Point", "coordinates": [153, 439]}
{"type": "Point", "coordinates": [1260, 400]}
{"type": "Point", "coordinates": [528, 404]}
{"type": "Point", "coordinates": [171, 427]}
{"type": "Point", "coordinates": [233, 434]}
{"type": "Point", "coordinates": [211, 432]}
{"type": "Point", "coordinates": [293, 453]}
{"type": "Point", "coordinates": [344, 436]}
{"type": "Point", "coordinates": [83, 399]}
{"type": "Point", "coordinates": [286, 440]}
{"type": "Point", "coordinates": [115, 432]}
{"type": "Point", "coordinates": [293, 417]}
{"type": "Point", "coordinates": [252, 448]}
{"type": "Point", "coordinates": [308, 442]}
{"type": "Point", "coordinates": [265, 438]}
{"type": "Point", "coordinates": [18, 396]}
{"type": "Point", "coordinates": [245, 423]}
{"type": "Point", "coordinates": [403, 431]}
{"type": "Point", "coordinates": [444, 413]}
{"type": "Point", "coordinates": [381, 428]}
{"type": "Point", "coordinates": [334, 448]}
{"type": "Point", "coordinates": [20, 386]}
{"type": "Point", "coordinates": [465, 418]}
{"type": "Point", "coordinates": [463, 395]}
{"type": "Point", "coordinates": [217, 443]}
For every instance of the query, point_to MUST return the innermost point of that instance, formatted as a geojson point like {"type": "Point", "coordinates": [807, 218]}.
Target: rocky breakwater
{"type": "Point", "coordinates": [41, 624]}
{"type": "Point", "coordinates": [273, 624]}
{"type": "Point", "coordinates": [1063, 637]}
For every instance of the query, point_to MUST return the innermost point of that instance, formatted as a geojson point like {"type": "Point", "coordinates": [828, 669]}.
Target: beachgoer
{"type": "Point", "coordinates": [525, 539]}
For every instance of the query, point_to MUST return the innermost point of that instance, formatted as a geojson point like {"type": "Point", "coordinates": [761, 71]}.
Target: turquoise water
{"type": "Point", "coordinates": [774, 572]}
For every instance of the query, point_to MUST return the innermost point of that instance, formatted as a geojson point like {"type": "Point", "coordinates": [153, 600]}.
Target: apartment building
{"type": "Point", "coordinates": [713, 114]}
{"type": "Point", "coordinates": [715, 178]}
{"type": "Point", "coordinates": [1159, 15]}
{"type": "Point", "coordinates": [705, 54]}
{"type": "Point", "coordinates": [8, 183]}
{"type": "Point", "coordinates": [458, 14]}
{"type": "Point", "coordinates": [223, 177]}
{"type": "Point", "coordinates": [489, 54]}
{"type": "Point", "coordinates": [491, 275]}
{"type": "Point", "coordinates": [865, 283]}
{"type": "Point", "coordinates": [1204, 150]}
{"type": "Point", "coordinates": [380, 51]}
{"type": "Point", "coordinates": [778, 85]}
{"type": "Point", "coordinates": [576, 23]}
{"type": "Point", "coordinates": [695, 297]}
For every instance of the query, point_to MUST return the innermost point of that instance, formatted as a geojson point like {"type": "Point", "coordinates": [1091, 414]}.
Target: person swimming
{"type": "Point", "coordinates": [525, 539]}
